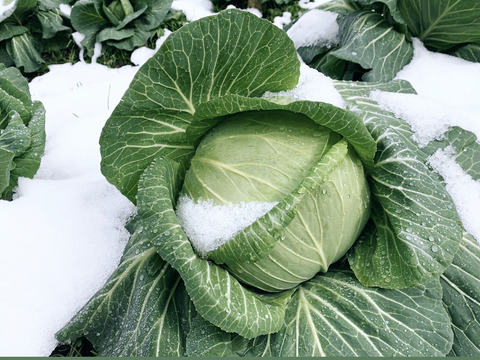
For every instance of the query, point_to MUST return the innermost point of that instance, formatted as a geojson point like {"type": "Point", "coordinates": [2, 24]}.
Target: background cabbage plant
{"type": "Point", "coordinates": [22, 131]}
{"type": "Point", "coordinates": [123, 24]}
{"type": "Point", "coordinates": [30, 27]}
{"type": "Point", "coordinates": [392, 294]}
{"type": "Point", "coordinates": [375, 37]}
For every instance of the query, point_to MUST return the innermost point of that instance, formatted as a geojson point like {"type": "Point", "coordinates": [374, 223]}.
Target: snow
{"type": "Point", "coordinates": [316, 27]}
{"type": "Point", "coordinates": [208, 226]}
{"type": "Point", "coordinates": [142, 54]}
{"type": "Point", "coordinates": [448, 89]}
{"type": "Point", "coordinates": [442, 101]}
{"type": "Point", "coordinates": [313, 86]}
{"type": "Point", "coordinates": [461, 187]}
{"type": "Point", "coordinates": [65, 9]}
{"type": "Point", "coordinates": [63, 234]}
{"type": "Point", "coordinates": [193, 9]}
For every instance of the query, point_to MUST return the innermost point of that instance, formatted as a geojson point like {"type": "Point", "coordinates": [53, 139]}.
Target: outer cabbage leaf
{"type": "Point", "coordinates": [7, 31]}
{"type": "Point", "coordinates": [142, 310]}
{"type": "Point", "coordinates": [28, 162]}
{"type": "Point", "coordinates": [391, 5]}
{"type": "Point", "coordinates": [217, 295]}
{"type": "Point", "coordinates": [85, 18]}
{"type": "Point", "coordinates": [28, 28]}
{"type": "Point", "coordinates": [16, 86]}
{"type": "Point", "coordinates": [334, 315]}
{"type": "Point", "coordinates": [461, 295]}
{"type": "Point", "coordinates": [52, 22]}
{"type": "Point", "coordinates": [16, 136]}
{"type": "Point", "coordinates": [6, 165]}
{"type": "Point", "coordinates": [442, 24]}
{"type": "Point", "coordinates": [368, 39]}
{"type": "Point", "coordinates": [415, 221]}
{"type": "Point", "coordinates": [341, 7]}
{"type": "Point", "coordinates": [206, 339]}
{"type": "Point", "coordinates": [232, 53]}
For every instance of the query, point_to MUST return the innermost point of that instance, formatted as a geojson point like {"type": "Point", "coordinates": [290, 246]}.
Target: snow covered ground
{"type": "Point", "coordinates": [63, 233]}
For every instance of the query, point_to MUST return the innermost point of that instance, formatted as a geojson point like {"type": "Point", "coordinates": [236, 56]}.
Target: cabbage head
{"type": "Point", "coordinates": [263, 156]}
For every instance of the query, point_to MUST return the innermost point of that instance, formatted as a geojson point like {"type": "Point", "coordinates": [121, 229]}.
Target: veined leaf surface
{"type": "Point", "coordinates": [334, 315]}
{"type": "Point", "coordinates": [232, 53]}
{"type": "Point", "coordinates": [217, 295]}
{"type": "Point", "coordinates": [415, 219]}
{"type": "Point", "coordinates": [469, 52]}
{"type": "Point", "coordinates": [461, 295]}
{"type": "Point", "coordinates": [465, 146]}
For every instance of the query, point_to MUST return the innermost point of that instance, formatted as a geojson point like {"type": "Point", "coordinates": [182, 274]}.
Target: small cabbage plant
{"type": "Point", "coordinates": [123, 24]}
{"type": "Point", "coordinates": [352, 244]}
{"type": "Point", "coordinates": [22, 131]}
{"type": "Point", "coordinates": [286, 159]}
{"type": "Point", "coordinates": [29, 28]}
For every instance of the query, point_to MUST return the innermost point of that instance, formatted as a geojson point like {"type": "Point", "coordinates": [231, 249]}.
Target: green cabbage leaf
{"type": "Point", "coordinates": [29, 28]}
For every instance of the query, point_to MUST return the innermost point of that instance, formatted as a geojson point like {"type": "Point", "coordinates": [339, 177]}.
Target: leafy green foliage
{"type": "Point", "coordinates": [367, 33]}
{"type": "Point", "coordinates": [375, 36]}
{"type": "Point", "coordinates": [442, 24]}
{"type": "Point", "coordinates": [143, 300]}
{"type": "Point", "coordinates": [124, 24]}
{"type": "Point", "coordinates": [22, 131]}
{"type": "Point", "coordinates": [412, 211]}
{"type": "Point", "coordinates": [30, 28]}
{"type": "Point", "coordinates": [248, 66]}
{"type": "Point", "coordinates": [469, 52]}
{"type": "Point", "coordinates": [345, 326]}
{"type": "Point", "coordinates": [461, 295]}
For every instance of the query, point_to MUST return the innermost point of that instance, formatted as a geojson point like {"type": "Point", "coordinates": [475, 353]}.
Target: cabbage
{"type": "Point", "coordinates": [264, 156]}
{"type": "Point", "coordinates": [349, 183]}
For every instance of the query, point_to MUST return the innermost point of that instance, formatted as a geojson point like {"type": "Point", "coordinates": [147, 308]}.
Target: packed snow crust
{"type": "Point", "coordinates": [194, 9]}
{"type": "Point", "coordinates": [208, 226]}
